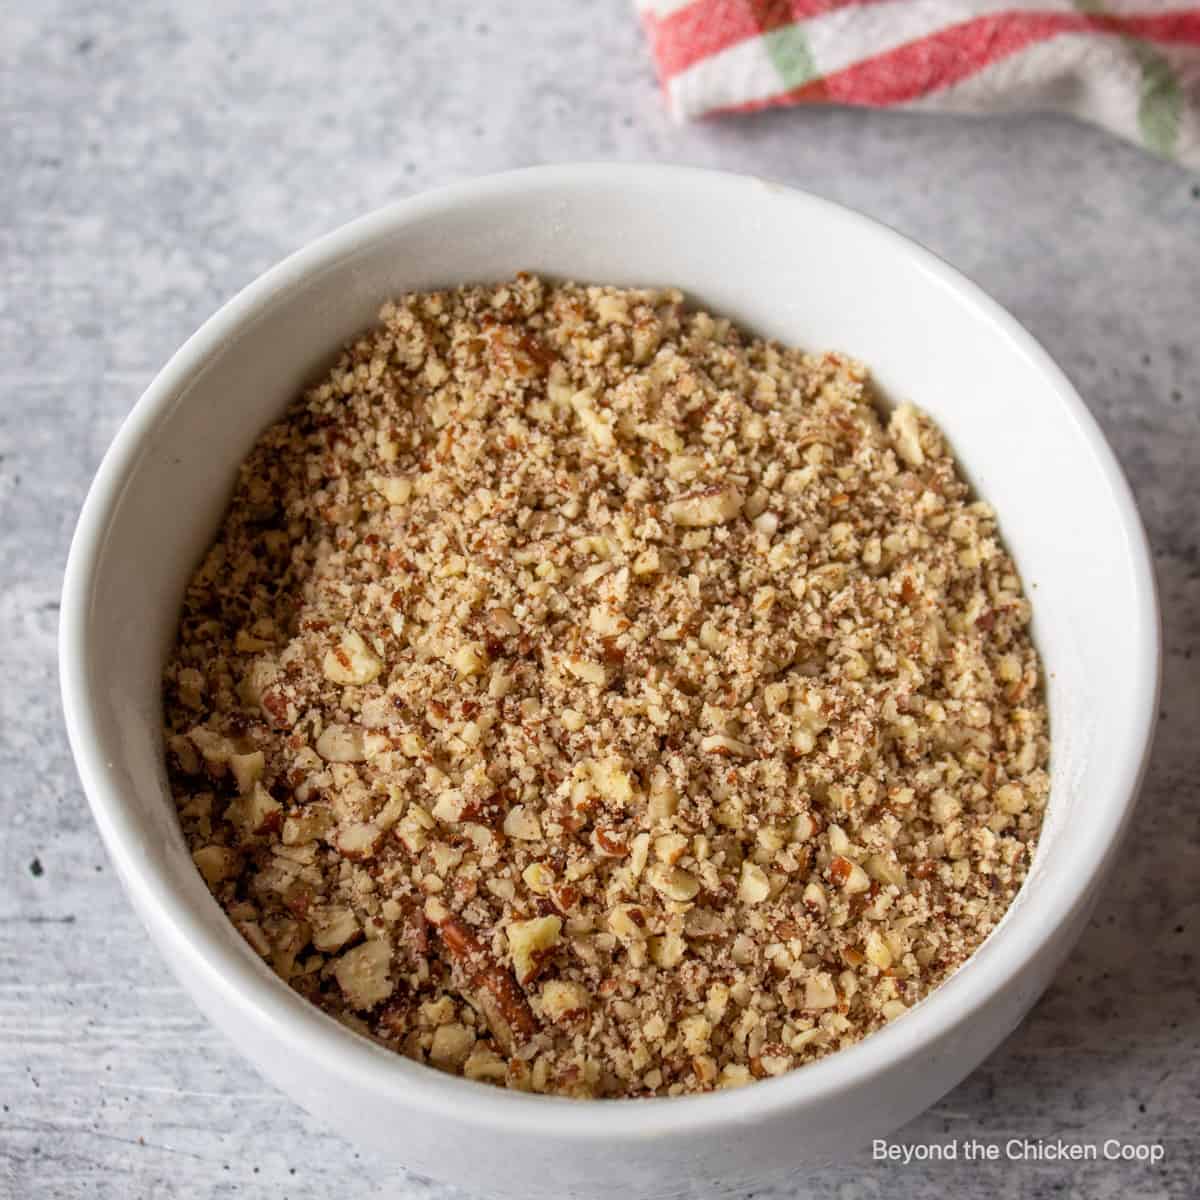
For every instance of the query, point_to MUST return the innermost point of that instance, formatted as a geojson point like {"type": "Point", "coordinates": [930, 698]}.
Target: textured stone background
{"type": "Point", "coordinates": [155, 158]}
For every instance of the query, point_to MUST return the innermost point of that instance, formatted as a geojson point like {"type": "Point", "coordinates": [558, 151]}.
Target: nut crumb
{"type": "Point", "coordinates": [585, 697]}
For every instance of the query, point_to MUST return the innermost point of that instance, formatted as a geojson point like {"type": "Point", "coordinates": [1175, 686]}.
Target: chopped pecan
{"type": "Point", "coordinates": [483, 971]}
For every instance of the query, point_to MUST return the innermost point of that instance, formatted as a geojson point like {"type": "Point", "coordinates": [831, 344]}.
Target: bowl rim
{"type": "Point", "coordinates": [263, 1000]}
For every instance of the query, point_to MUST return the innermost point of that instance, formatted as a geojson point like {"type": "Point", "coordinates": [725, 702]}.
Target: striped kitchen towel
{"type": "Point", "coordinates": [1130, 65]}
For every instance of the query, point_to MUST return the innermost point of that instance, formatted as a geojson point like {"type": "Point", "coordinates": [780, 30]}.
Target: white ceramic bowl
{"type": "Point", "coordinates": [786, 265]}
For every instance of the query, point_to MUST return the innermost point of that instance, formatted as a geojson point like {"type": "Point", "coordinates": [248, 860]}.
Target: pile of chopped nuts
{"type": "Point", "coordinates": [588, 698]}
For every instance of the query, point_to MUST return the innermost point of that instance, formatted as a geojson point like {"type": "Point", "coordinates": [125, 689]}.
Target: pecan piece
{"type": "Point", "coordinates": [482, 970]}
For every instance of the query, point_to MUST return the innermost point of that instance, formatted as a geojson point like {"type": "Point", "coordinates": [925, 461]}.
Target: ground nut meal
{"type": "Point", "coordinates": [587, 697]}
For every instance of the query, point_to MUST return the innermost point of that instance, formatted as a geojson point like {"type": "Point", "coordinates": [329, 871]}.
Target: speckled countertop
{"type": "Point", "coordinates": [156, 158]}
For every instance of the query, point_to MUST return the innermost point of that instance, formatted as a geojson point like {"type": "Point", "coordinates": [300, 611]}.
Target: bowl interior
{"type": "Point", "coordinates": [782, 264]}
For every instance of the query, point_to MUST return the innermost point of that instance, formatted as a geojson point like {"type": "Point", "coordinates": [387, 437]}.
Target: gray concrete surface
{"type": "Point", "coordinates": [155, 158]}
